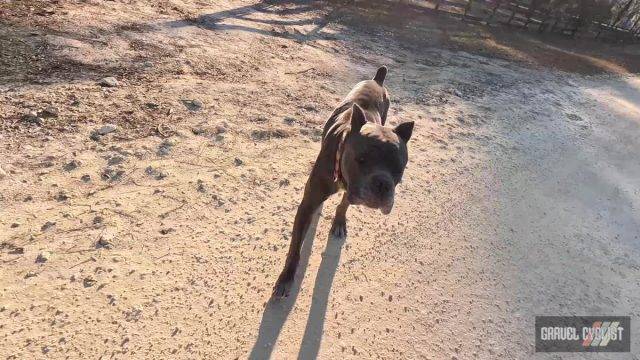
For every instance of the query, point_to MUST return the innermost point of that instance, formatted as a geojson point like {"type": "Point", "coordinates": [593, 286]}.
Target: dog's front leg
{"type": "Point", "coordinates": [339, 225]}
{"type": "Point", "coordinates": [316, 192]}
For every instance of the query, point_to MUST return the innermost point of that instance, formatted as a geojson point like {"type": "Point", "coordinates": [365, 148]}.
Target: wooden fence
{"type": "Point", "coordinates": [523, 14]}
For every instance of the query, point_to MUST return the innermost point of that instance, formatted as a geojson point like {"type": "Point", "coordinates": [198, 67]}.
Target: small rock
{"type": "Point", "coordinates": [86, 178]}
{"type": "Point", "coordinates": [106, 129]}
{"type": "Point", "coordinates": [289, 120]}
{"type": "Point", "coordinates": [108, 81]}
{"type": "Point", "coordinates": [455, 92]}
{"type": "Point", "coordinates": [201, 187]}
{"type": "Point", "coordinates": [89, 281]}
{"type": "Point", "coordinates": [310, 107]}
{"type": "Point", "coordinates": [105, 242]}
{"type": "Point", "coordinates": [221, 128]}
{"type": "Point", "coordinates": [48, 225]}
{"type": "Point", "coordinates": [72, 165]}
{"type": "Point", "coordinates": [198, 130]}
{"type": "Point", "coordinates": [152, 105]}
{"type": "Point", "coordinates": [28, 198]}
{"type": "Point", "coordinates": [61, 196]}
{"type": "Point", "coordinates": [261, 135]}
{"type": "Point", "coordinates": [115, 160]}
{"type": "Point", "coordinates": [167, 231]}
{"type": "Point", "coordinates": [238, 162]}
{"type": "Point", "coordinates": [193, 105]}
{"type": "Point", "coordinates": [32, 118]}
{"type": "Point", "coordinates": [15, 225]}
{"type": "Point", "coordinates": [284, 182]}
{"type": "Point", "coordinates": [30, 274]}
{"type": "Point", "coordinates": [43, 257]}
{"type": "Point", "coordinates": [165, 147]}
{"type": "Point", "coordinates": [259, 119]}
{"type": "Point", "coordinates": [49, 112]}
{"type": "Point", "coordinates": [111, 175]}
{"type": "Point", "coordinates": [17, 251]}
{"type": "Point", "coordinates": [157, 174]}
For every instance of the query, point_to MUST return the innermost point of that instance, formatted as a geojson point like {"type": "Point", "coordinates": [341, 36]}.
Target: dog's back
{"type": "Point", "coordinates": [370, 95]}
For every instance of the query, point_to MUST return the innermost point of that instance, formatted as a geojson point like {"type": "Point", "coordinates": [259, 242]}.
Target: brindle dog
{"type": "Point", "coordinates": [359, 155]}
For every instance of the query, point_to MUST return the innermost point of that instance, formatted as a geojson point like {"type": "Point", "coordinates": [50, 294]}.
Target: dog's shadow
{"type": "Point", "coordinates": [276, 311]}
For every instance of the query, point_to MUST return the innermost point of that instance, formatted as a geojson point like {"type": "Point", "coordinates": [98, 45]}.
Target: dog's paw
{"type": "Point", "coordinates": [282, 288]}
{"type": "Point", "coordinates": [339, 228]}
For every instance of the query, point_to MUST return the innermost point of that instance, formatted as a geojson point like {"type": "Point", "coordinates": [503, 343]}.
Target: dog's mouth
{"type": "Point", "coordinates": [384, 205]}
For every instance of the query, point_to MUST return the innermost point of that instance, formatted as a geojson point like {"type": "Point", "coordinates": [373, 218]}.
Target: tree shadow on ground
{"type": "Point", "coordinates": [216, 21]}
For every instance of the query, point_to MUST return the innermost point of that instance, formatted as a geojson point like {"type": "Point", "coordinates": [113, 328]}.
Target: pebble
{"type": "Point", "coordinates": [106, 129]}
{"type": "Point", "coordinates": [108, 81]}
{"type": "Point", "coordinates": [72, 165]}
{"type": "Point", "coordinates": [201, 187]}
{"type": "Point", "coordinates": [165, 147]}
{"type": "Point", "coordinates": [49, 112]}
{"type": "Point", "coordinates": [238, 161]}
{"type": "Point", "coordinates": [193, 105]}
{"type": "Point", "coordinates": [115, 160]}
{"type": "Point", "coordinates": [105, 242]}
{"type": "Point", "coordinates": [32, 118]}
{"type": "Point", "coordinates": [221, 128]}
{"type": "Point", "coordinates": [48, 225]}
{"type": "Point", "coordinates": [110, 175]}
{"type": "Point", "coordinates": [43, 257]}
{"type": "Point", "coordinates": [86, 178]}
{"type": "Point", "coordinates": [157, 174]}
{"type": "Point", "coordinates": [167, 231]}
{"type": "Point", "coordinates": [89, 281]}
{"type": "Point", "coordinates": [61, 196]}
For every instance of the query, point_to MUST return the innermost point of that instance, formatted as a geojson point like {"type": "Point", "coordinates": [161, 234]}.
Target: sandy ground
{"type": "Point", "coordinates": [164, 238]}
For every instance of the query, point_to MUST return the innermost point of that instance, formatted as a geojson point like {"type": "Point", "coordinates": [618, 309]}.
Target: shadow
{"type": "Point", "coordinates": [215, 21]}
{"type": "Point", "coordinates": [277, 310]}
{"type": "Point", "coordinates": [321, 290]}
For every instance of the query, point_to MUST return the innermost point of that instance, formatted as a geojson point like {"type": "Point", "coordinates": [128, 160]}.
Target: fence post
{"type": "Point", "coordinates": [466, 9]}
{"type": "Point", "coordinates": [493, 12]}
{"type": "Point", "coordinates": [513, 14]}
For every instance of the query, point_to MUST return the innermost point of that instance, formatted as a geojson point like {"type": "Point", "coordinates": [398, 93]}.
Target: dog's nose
{"type": "Point", "coordinates": [381, 185]}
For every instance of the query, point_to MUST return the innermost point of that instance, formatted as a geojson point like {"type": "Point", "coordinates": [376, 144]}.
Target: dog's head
{"type": "Point", "coordinates": [373, 161]}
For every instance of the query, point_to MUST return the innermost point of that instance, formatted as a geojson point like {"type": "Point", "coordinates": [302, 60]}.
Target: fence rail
{"type": "Point", "coordinates": [524, 14]}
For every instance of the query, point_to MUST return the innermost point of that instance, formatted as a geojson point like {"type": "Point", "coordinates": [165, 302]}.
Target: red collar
{"type": "Point", "coordinates": [337, 172]}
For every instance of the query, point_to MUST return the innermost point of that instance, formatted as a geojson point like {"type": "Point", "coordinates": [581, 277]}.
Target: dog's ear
{"type": "Point", "coordinates": [357, 118]}
{"type": "Point", "coordinates": [404, 131]}
{"type": "Point", "coordinates": [380, 75]}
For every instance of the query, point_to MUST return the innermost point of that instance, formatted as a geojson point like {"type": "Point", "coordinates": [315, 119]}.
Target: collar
{"type": "Point", "coordinates": [337, 172]}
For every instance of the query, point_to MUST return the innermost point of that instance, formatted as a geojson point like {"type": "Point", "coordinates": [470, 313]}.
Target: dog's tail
{"type": "Point", "coordinates": [380, 75]}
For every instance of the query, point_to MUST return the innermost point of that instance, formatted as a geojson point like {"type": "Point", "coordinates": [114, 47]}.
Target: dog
{"type": "Point", "coordinates": [359, 155]}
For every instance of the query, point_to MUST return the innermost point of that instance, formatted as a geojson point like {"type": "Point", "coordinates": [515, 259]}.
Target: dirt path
{"type": "Point", "coordinates": [163, 239]}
